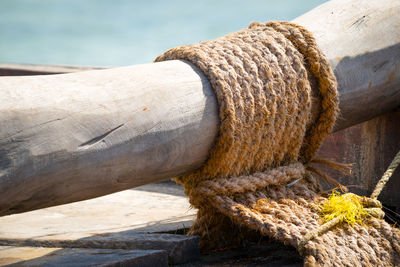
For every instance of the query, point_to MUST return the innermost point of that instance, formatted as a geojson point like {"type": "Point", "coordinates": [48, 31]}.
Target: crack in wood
{"type": "Point", "coordinates": [358, 23]}
{"type": "Point", "coordinates": [98, 139]}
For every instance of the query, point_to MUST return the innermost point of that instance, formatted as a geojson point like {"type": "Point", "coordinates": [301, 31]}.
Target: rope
{"type": "Point", "coordinates": [258, 177]}
{"type": "Point", "coordinates": [386, 176]}
{"type": "Point", "coordinates": [371, 201]}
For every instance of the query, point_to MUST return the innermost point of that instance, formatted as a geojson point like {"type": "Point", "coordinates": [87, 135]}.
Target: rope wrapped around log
{"type": "Point", "coordinates": [262, 77]}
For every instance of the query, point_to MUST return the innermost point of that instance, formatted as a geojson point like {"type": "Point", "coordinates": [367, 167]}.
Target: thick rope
{"type": "Point", "coordinates": [320, 68]}
{"type": "Point", "coordinates": [372, 206]}
{"type": "Point", "coordinates": [258, 176]}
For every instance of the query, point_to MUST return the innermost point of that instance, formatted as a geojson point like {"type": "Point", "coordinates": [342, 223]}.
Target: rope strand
{"type": "Point", "coordinates": [386, 176]}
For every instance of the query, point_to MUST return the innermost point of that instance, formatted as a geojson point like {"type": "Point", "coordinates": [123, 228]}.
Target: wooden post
{"type": "Point", "coordinates": [70, 137]}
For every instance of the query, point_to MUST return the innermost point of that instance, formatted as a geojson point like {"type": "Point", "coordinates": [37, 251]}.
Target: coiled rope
{"type": "Point", "coordinates": [258, 176]}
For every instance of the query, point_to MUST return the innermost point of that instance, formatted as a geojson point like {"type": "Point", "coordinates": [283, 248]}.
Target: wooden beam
{"type": "Point", "coordinates": [76, 136]}
{"type": "Point", "coordinates": [70, 137]}
{"type": "Point", "coordinates": [12, 69]}
{"type": "Point", "coordinates": [362, 42]}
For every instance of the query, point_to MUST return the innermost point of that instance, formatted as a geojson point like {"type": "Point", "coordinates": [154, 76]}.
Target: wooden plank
{"type": "Point", "coordinates": [76, 136]}
{"type": "Point", "coordinates": [144, 218]}
{"type": "Point", "coordinates": [178, 248]}
{"type": "Point", "coordinates": [134, 210]}
{"type": "Point", "coordinates": [49, 257]}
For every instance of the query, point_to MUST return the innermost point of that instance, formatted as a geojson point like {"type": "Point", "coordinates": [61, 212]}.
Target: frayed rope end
{"type": "Point", "coordinates": [348, 207]}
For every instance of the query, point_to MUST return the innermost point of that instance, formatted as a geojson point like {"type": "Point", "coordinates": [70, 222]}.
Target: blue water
{"type": "Point", "coordinates": [124, 32]}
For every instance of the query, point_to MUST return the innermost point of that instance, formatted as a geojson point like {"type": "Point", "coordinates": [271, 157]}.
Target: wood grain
{"type": "Point", "coordinates": [70, 137]}
{"type": "Point", "coordinates": [76, 136]}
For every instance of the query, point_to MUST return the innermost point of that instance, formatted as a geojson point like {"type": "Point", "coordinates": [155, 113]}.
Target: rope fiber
{"type": "Point", "coordinates": [262, 77]}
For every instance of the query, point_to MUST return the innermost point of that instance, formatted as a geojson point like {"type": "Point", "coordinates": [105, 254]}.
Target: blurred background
{"type": "Point", "coordinates": [124, 32]}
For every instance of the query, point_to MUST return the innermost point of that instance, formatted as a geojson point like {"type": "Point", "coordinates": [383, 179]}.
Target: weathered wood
{"type": "Point", "coordinates": [76, 136]}
{"type": "Point", "coordinates": [66, 138]}
{"type": "Point", "coordinates": [148, 217]}
{"type": "Point", "coordinates": [136, 211]}
{"type": "Point", "coordinates": [362, 42]}
{"type": "Point", "coordinates": [12, 69]}
{"type": "Point", "coordinates": [371, 146]}
{"type": "Point", "coordinates": [78, 257]}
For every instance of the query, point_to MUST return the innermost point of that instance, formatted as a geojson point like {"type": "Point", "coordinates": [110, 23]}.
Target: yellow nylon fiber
{"type": "Point", "coordinates": [346, 206]}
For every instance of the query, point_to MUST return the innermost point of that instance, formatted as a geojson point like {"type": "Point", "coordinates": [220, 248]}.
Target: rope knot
{"type": "Point", "coordinates": [349, 208]}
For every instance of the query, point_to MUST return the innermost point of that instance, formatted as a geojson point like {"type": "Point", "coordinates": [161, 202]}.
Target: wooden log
{"type": "Point", "coordinates": [12, 69]}
{"type": "Point", "coordinates": [76, 136]}
{"type": "Point", "coordinates": [65, 138]}
{"type": "Point", "coordinates": [362, 42]}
